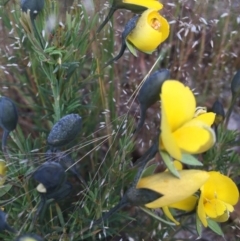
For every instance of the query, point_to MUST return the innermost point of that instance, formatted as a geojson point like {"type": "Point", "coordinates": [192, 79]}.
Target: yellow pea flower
{"type": "Point", "coordinates": [173, 189]}
{"type": "Point", "coordinates": [181, 130]}
{"type": "Point", "coordinates": [218, 195]}
{"type": "Point", "coordinates": [150, 31]}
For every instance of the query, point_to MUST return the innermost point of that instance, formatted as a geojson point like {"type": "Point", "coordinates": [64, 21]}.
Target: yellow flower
{"type": "Point", "coordinates": [150, 31]}
{"type": "Point", "coordinates": [137, 5]}
{"type": "Point", "coordinates": [173, 189]}
{"type": "Point", "coordinates": [181, 130]}
{"type": "Point", "coordinates": [218, 195]}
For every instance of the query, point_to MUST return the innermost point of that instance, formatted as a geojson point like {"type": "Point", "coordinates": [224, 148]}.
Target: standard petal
{"type": "Point", "coordinates": [207, 118]}
{"type": "Point", "coordinates": [178, 102]}
{"type": "Point", "coordinates": [155, 4]}
{"type": "Point", "coordinates": [221, 187]}
{"type": "Point", "coordinates": [169, 215]}
{"type": "Point", "coordinates": [167, 139]}
{"type": "Point", "coordinates": [194, 137]}
{"type": "Point", "coordinates": [187, 204]}
{"type": "Point", "coordinates": [201, 212]}
{"type": "Point", "coordinates": [173, 189]}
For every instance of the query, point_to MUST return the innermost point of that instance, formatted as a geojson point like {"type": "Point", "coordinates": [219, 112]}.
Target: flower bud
{"type": "Point", "coordinates": [65, 130]}
{"type": "Point", "coordinates": [150, 92]}
{"type": "Point", "coordinates": [218, 109]}
{"type": "Point", "coordinates": [35, 6]}
{"type": "Point", "coordinates": [51, 175]}
{"type": "Point", "coordinates": [235, 84]}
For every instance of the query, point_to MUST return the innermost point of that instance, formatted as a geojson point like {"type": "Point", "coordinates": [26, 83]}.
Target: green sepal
{"type": "Point", "coordinates": [169, 163]}
{"type": "Point", "coordinates": [190, 160]}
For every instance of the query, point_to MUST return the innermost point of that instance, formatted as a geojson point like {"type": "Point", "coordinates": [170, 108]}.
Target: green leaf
{"type": "Point", "coordinates": [152, 214]}
{"type": "Point", "coordinates": [169, 163]}
{"type": "Point", "coordinates": [198, 226]}
{"type": "Point", "coordinates": [4, 189]}
{"type": "Point", "coordinates": [190, 160]}
{"type": "Point", "coordinates": [131, 48]}
{"type": "Point", "coordinates": [149, 170]}
{"type": "Point", "coordinates": [214, 226]}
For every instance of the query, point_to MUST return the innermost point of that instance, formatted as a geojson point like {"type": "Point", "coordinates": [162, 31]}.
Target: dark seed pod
{"type": "Point", "coordinates": [65, 130]}
{"type": "Point", "coordinates": [3, 223]}
{"type": "Point", "coordinates": [51, 175]}
{"type": "Point", "coordinates": [235, 84]}
{"type": "Point", "coordinates": [8, 118]}
{"type": "Point", "coordinates": [35, 6]}
{"type": "Point", "coordinates": [66, 162]}
{"type": "Point", "coordinates": [219, 110]}
{"type": "Point", "coordinates": [150, 92]}
{"type": "Point", "coordinates": [61, 193]}
{"type": "Point", "coordinates": [29, 237]}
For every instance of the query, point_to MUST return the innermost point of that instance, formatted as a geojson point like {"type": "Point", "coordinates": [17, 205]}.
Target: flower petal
{"type": "Point", "coordinates": [173, 189]}
{"type": "Point", "coordinates": [187, 204]}
{"type": "Point", "coordinates": [178, 102]}
{"type": "Point", "coordinates": [194, 137]}
{"type": "Point", "coordinates": [169, 215]}
{"type": "Point", "coordinates": [201, 212]}
{"type": "Point", "coordinates": [167, 140]}
{"type": "Point", "coordinates": [145, 3]}
{"type": "Point", "coordinates": [214, 208]}
{"type": "Point", "coordinates": [221, 187]}
{"type": "Point", "coordinates": [207, 118]}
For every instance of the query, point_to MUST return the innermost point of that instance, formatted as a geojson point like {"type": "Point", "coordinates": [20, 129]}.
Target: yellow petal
{"type": "Point", "coordinates": [178, 102]}
{"type": "Point", "coordinates": [187, 204]}
{"type": "Point", "coordinates": [3, 170]}
{"type": "Point", "coordinates": [173, 189]}
{"type": "Point", "coordinates": [177, 164]}
{"type": "Point", "coordinates": [207, 118]}
{"type": "Point", "coordinates": [169, 215]}
{"type": "Point", "coordinates": [150, 31]}
{"type": "Point", "coordinates": [146, 3]}
{"type": "Point", "coordinates": [214, 208]}
{"type": "Point", "coordinates": [167, 140]}
{"type": "Point", "coordinates": [201, 212]}
{"type": "Point", "coordinates": [221, 187]}
{"type": "Point", "coordinates": [194, 137]}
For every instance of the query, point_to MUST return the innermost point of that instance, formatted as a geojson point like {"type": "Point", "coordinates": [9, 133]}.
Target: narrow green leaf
{"type": "Point", "coordinates": [214, 226]}
{"type": "Point", "coordinates": [131, 48]}
{"type": "Point", "coordinates": [156, 216]}
{"type": "Point", "coordinates": [149, 170]}
{"type": "Point", "coordinates": [169, 163]}
{"type": "Point", "coordinates": [4, 189]}
{"type": "Point", "coordinates": [190, 160]}
{"type": "Point", "coordinates": [198, 226]}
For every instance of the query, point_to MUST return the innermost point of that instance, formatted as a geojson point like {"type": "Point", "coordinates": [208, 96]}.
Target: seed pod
{"type": "Point", "coordinates": [65, 130]}
{"type": "Point", "coordinates": [3, 223]}
{"type": "Point", "coordinates": [55, 155]}
{"type": "Point", "coordinates": [150, 92]}
{"type": "Point", "coordinates": [219, 110]}
{"type": "Point", "coordinates": [235, 84]}
{"type": "Point", "coordinates": [51, 175]}
{"type": "Point", "coordinates": [35, 6]}
{"type": "Point", "coordinates": [61, 193]}
{"type": "Point", "coordinates": [29, 237]}
{"type": "Point", "coordinates": [8, 118]}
